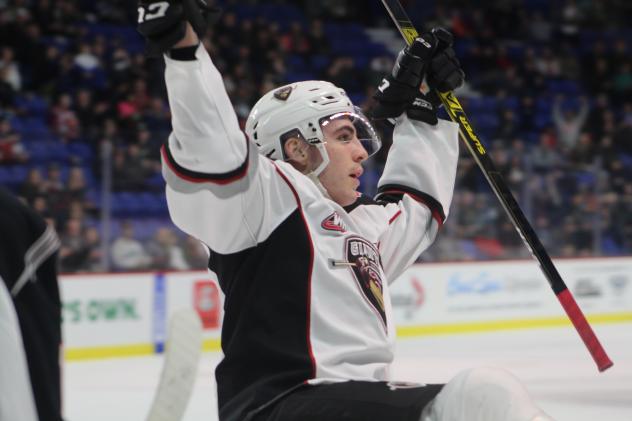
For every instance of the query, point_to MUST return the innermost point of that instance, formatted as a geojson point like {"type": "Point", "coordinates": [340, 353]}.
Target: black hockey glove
{"type": "Point", "coordinates": [398, 90]}
{"type": "Point", "coordinates": [163, 23]}
{"type": "Point", "coordinates": [443, 73]}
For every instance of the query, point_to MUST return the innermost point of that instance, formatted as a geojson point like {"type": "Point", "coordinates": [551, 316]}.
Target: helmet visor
{"type": "Point", "coordinates": [362, 129]}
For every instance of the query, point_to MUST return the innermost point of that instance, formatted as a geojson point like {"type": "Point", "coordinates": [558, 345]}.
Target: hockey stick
{"type": "Point", "coordinates": [498, 185]}
{"type": "Point", "coordinates": [182, 355]}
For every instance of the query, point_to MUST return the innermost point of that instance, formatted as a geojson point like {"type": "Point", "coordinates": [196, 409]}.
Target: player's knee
{"type": "Point", "coordinates": [486, 393]}
{"type": "Point", "coordinates": [486, 384]}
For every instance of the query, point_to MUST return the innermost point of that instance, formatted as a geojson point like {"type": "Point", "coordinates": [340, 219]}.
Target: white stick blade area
{"type": "Point", "coordinates": [182, 355]}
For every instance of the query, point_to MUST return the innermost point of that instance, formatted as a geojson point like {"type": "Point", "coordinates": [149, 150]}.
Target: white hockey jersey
{"type": "Point", "coordinates": [306, 281]}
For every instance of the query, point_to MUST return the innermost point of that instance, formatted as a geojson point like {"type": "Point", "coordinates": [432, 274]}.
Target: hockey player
{"type": "Point", "coordinates": [304, 260]}
{"type": "Point", "coordinates": [28, 266]}
{"type": "Point", "coordinates": [16, 393]}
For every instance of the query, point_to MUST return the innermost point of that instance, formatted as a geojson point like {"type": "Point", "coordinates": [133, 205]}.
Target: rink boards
{"type": "Point", "coordinates": [109, 315]}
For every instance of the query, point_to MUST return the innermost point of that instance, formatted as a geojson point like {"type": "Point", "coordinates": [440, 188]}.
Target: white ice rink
{"type": "Point", "coordinates": [553, 363]}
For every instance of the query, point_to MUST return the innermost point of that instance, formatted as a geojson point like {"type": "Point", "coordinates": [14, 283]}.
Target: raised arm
{"type": "Point", "coordinates": [418, 180]}
{"type": "Point", "coordinates": [219, 189]}
{"type": "Point", "coordinates": [206, 136]}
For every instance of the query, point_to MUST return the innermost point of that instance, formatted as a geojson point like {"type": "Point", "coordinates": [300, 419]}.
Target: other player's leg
{"type": "Point", "coordinates": [483, 394]}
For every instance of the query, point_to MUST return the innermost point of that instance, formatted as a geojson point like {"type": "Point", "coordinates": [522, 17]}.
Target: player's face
{"type": "Point", "coordinates": [341, 177]}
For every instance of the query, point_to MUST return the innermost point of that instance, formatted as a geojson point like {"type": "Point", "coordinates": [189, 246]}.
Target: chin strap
{"type": "Point", "coordinates": [314, 177]}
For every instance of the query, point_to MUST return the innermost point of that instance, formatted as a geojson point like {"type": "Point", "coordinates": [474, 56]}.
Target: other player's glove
{"type": "Point", "coordinates": [163, 23]}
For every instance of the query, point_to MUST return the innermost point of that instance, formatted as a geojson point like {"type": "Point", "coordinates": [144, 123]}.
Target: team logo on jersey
{"type": "Point", "coordinates": [283, 93]}
{"type": "Point", "coordinates": [334, 223]}
{"type": "Point", "coordinates": [364, 261]}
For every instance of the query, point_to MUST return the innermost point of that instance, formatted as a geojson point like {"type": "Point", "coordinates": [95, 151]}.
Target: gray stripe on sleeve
{"type": "Point", "coordinates": [39, 251]}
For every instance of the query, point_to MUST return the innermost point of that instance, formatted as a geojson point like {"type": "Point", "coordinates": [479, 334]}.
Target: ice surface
{"type": "Point", "coordinates": [553, 363]}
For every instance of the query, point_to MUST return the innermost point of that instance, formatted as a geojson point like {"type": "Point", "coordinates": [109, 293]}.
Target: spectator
{"type": "Point", "coordinates": [165, 252]}
{"type": "Point", "coordinates": [92, 243]}
{"type": "Point", "coordinates": [598, 71]}
{"type": "Point", "coordinates": [45, 79]}
{"type": "Point", "coordinates": [540, 29]}
{"type": "Point", "coordinates": [74, 252]}
{"type": "Point", "coordinates": [64, 119]}
{"type": "Point", "coordinates": [111, 132]}
{"type": "Point", "coordinates": [33, 186]}
{"type": "Point", "coordinates": [508, 126]}
{"type": "Point", "coordinates": [622, 135]}
{"type": "Point", "coordinates": [127, 252]}
{"type": "Point", "coordinates": [11, 73]}
{"type": "Point", "coordinates": [76, 185]}
{"type": "Point", "coordinates": [7, 93]}
{"type": "Point", "coordinates": [318, 41]}
{"type": "Point", "coordinates": [548, 64]}
{"type": "Point", "coordinates": [583, 154]}
{"type": "Point", "coordinates": [44, 60]}
{"type": "Point", "coordinates": [619, 176]}
{"type": "Point", "coordinates": [544, 156]}
{"type": "Point", "coordinates": [54, 183]}
{"type": "Point", "coordinates": [569, 123]}
{"type": "Point", "coordinates": [156, 117]}
{"type": "Point", "coordinates": [510, 240]}
{"type": "Point", "coordinates": [295, 41]}
{"type": "Point", "coordinates": [120, 170]}
{"type": "Point", "coordinates": [622, 83]}
{"type": "Point", "coordinates": [11, 149]}
{"type": "Point", "coordinates": [85, 59]}
{"type": "Point", "coordinates": [195, 253]}
{"type": "Point", "coordinates": [138, 168]}
{"type": "Point", "coordinates": [596, 120]}
{"type": "Point", "coordinates": [89, 113]}
{"type": "Point", "coordinates": [120, 69]}
{"type": "Point", "coordinates": [379, 67]}
{"type": "Point", "coordinates": [571, 17]}
{"type": "Point", "coordinates": [342, 73]}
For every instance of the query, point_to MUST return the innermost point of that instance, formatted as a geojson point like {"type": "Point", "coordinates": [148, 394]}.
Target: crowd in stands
{"type": "Point", "coordinates": [549, 90]}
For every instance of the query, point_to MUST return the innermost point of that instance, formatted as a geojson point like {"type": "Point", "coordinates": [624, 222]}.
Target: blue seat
{"type": "Point", "coordinates": [56, 151]}
{"type": "Point", "coordinates": [626, 160]}
{"type": "Point", "coordinates": [33, 104]}
{"type": "Point", "coordinates": [566, 87]}
{"type": "Point", "coordinates": [93, 195]}
{"type": "Point", "coordinates": [81, 151]}
{"type": "Point", "coordinates": [356, 97]}
{"type": "Point", "coordinates": [609, 247]}
{"type": "Point", "coordinates": [361, 61]}
{"type": "Point", "coordinates": [512, 102]}
{"type": "Point", "coordinates": [18, 173]}
{"type": "Point", "coordinates": [296, 63]}
{"type": "Point", "coordinates": [319, 62]}
{"type": "Point", "coordinates": [543, 120]}
{"type": "Point", "coordinates": [470, 250]}
{"type": "Point", "coordinates": [156, 181]}
{"type": "Point", "coordinates": [485, 121]}
{"type": "Point", "coordinates": [297, 77]}
{"type": "Point", "coordinates": [5, 175]}
{"type": "Point", "coordinates": [585, 178]}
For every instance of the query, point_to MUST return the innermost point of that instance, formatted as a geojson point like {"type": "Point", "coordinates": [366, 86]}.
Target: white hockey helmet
{"type": "Point", "coordinates": [300, 110]}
